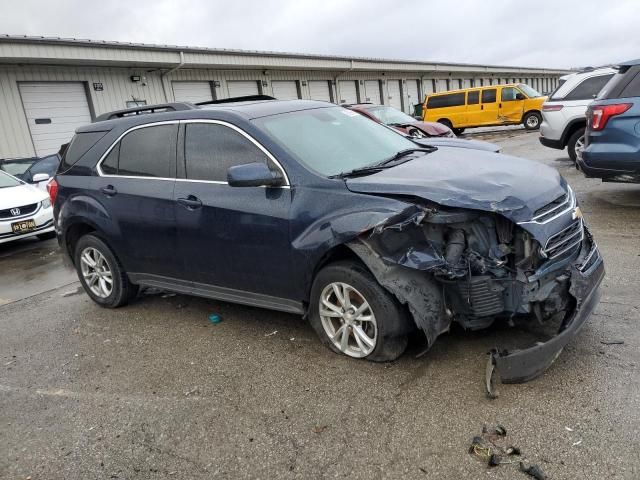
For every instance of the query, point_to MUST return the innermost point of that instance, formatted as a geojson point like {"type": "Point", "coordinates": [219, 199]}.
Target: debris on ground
{"type": "Point", "coordinates": [612, 342]}
{"type": "Point", "coordinates": [575, 444]}
{"type": "Point", "coordinates": [192, 392]}
{"type": "Point", "coordinates": [72, 292]}
{"type": "Point", "coordinates": [271, 334]}
{"type": "Point", "coordinates": [320, 428]}
{"type": "Point", "coordinates": [168, 295]}
{"type": "Point", "coordinates": [533, 470]}
{"type": "Point", "coordinates": [215, 318]}
{"type": "Point", "coordinates": [492, 447]}
{"type": "Point", "coordinates": [568, 429]}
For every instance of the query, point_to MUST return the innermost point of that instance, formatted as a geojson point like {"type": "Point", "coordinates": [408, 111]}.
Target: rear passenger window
{"type": "Point", "coordinates": [489, 95]}
{"type": "Point", "coordinates": [633, 89]}
{"type": "Point", "coordinates": [451, 100]}
{"type": "Point", "coordinates": [473, 97]}
{"type": "Point", "coordinates": [210, 149]}
{"type": "Point", "coordinates": [589, 88]}
{"type": "Point", "coordinates": [145, 152]}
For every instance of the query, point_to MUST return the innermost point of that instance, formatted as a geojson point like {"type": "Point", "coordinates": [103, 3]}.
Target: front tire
{"type": "Point", "coordinates": [532, 121]}
{"type": "Point", "coordinates": [575, 145]}
{"type": "Point", "coordinates": [100, 273]}
{"type": "Point", "coordinates": [353, 315]}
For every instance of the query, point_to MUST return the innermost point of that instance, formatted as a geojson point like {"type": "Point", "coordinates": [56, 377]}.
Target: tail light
{"type": "Point", "coordinates": [600, 114]}
{"type": "Point", "coordinates": [52, 188]}
{"type": "Point", "coordinates": [551, 107]}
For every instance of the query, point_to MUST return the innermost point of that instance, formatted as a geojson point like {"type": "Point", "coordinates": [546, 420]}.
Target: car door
{"type": "Point", "coordinates": [230, 237]}
{"type": "Point", "coordinates": [135, 188]}
{"type": "Point", "coordinates": [474, 109]}
{"type": "Point", "coordinates": [488, 106]}
{"type": "Point", "coordinates": [511, 108]}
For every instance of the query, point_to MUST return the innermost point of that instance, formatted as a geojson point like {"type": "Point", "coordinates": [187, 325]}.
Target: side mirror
{"type": "Point", "coordinates": [40, 177]}
{"type": "Point", "coordinates": [253, 175]}
{"type": "Point", "coordinates": [520, 96]}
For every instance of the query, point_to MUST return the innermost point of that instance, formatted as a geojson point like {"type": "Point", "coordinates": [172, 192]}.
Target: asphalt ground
{"type": "Point", "coordinates": [154, 390]}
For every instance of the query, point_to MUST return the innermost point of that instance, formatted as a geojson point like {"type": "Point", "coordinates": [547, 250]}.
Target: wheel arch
{"type": "Point", "coordinates": [571, 128]}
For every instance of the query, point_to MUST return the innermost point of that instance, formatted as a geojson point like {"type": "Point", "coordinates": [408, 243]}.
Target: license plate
{"type": "Point", "coordinates": [23, 226]}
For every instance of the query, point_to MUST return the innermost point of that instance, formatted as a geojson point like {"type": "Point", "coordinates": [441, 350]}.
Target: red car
{"type": "Point", "coordinates": [401, 121]}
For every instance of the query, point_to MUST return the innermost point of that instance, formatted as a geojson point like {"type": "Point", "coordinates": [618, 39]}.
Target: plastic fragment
{"type": "Point", "coordinates": [513, 451]}
{"type": "Point", "coordinates": [575, 444]}
{"type": "Point", "coordinates": [534, 471]}
{"type": "Point", "coordinates": [501, 431]}
{"type": "Point", "coordinates": [215, 318]}
{"type": "Point", "coordinates": [494, 460]}
{"type": "Point", "coordinates": [271, 334]}
{"type": "Point", "coordinates": [568, 429]}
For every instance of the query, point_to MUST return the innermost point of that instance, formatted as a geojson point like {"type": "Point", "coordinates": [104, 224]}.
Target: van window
{"type": "Point", "coordinates": [210, 149]}
{"type": "Point", "coordinates": [489, 95]}
{"type": "Point", "coordinates": [450, 100]}
{"type": "Point", "coordinates": [508, 94]}
{"type": "Point", "coordinates": [589, 88]}
{"type": "Point", "coordinates": [473, 97]}
{"type": "Point", "coordinates": [145, 152]}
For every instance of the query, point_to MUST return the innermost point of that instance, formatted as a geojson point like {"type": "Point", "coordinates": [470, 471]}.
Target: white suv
{"type": "Point", "coordinates": [563, 114]}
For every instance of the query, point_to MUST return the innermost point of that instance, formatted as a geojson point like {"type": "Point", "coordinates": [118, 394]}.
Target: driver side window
{"type": "Point", "coordinates": [210, 149]}
{"type": "Point", "coordinates": [508, 94]}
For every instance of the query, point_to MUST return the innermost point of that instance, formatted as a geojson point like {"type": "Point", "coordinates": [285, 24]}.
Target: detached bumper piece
{"type": "Point", "coordinates": [586, 274]}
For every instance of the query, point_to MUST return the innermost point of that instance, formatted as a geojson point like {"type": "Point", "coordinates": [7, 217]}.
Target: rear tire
{"type": "Point", "coordinates": [446, 123]}
{"type": "Point", "coordinates": [532, 121]}
{"type": "Point", "coordinates": [101, 274]}
{"type": "Point", "coordinates": [458, 131]}
{"type": "Point", "coordinates": [576, 144]}
{"type": "Point", "coordinates": [352, 335]}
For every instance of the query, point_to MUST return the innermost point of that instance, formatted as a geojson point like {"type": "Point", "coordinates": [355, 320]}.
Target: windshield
{"type": "Point", "coordinates": [16, 167]}
{"type": "Point", "coordinates": [333, 140]}
{"type": "Point", "coordinates": [528, 91]}
{"type": "Point", "coordinates": [389, 115]}
{"type": "Point", "coordinates": [8, 181]}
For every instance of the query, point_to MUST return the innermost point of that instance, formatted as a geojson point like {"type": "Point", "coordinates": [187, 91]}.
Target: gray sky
{"type": "Point", "coordinates": [540, 33]}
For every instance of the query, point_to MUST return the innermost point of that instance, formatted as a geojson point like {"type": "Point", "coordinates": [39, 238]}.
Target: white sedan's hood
{"type": "Point", "coordinates": [21, 195]}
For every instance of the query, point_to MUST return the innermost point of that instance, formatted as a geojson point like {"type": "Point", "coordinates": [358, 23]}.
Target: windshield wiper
{"type": "Point", "coordinates": [376, 167]}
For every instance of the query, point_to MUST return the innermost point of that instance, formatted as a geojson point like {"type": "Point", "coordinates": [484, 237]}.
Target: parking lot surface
{"type": "Point", "coordinates": [154, 390]}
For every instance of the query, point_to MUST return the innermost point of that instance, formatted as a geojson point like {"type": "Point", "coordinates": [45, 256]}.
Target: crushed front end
{"type": "Point", "coordinates": [476, 267]}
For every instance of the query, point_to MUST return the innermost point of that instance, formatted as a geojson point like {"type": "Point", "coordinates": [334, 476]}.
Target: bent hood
{"type": "Point", "coordinates": [474, 179]}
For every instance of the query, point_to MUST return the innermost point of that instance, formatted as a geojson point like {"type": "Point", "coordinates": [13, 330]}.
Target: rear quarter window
{"type": "Point", "coordinates": [450, 100]}
{"type": "Point", "coordinates": [81, 144]}
{"type": "Point", "coordinates": [633, 88]}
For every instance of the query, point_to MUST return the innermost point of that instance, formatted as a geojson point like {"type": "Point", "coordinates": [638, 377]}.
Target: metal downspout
{"type": "Point", "coordinates": [163, 76]}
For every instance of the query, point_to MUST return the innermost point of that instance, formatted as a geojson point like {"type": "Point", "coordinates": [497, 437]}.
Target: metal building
{"type": "Point", "coordinates": [51, 86]}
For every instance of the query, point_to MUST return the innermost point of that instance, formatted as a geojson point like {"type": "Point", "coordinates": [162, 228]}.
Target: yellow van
{"type": "Point", "coordinates": [491, 105]}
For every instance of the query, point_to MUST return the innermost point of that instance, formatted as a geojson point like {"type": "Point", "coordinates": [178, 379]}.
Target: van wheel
{"type": "Point", "coordinates": [532, 121]}
{"type": "Point", "coordinates": [352, 314]}
{"type": "Point", "coordinates": [446, 123]}
{"type": "Point", "coordinates": [100, 273]}
{"type": "Point", "coordinates": [575, 145]}
{"type": "Point", "coordinates": [458, 131]}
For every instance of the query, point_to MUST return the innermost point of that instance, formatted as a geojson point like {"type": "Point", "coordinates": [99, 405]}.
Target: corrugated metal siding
{"type": "Point", "coordinates": [15, 140]}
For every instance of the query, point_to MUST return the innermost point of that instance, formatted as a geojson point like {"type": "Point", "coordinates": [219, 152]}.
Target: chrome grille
{"type": "Point", "coordinates": [565, 240]}
{"type": "Point", "coordinates": [7, 214]}
{"type": "Point", "coordinates": [552, 209]}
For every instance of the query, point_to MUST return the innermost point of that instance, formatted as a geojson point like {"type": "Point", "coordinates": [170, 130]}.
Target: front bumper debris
{"type": "Point", "coordinates": [523, 365]}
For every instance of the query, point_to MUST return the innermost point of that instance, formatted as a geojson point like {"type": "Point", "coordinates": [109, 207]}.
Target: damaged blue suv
{"type": "Point", "coordinates": [310, 208]}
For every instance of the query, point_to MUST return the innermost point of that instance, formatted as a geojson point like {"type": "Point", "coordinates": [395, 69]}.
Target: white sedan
{"type": "Point", "coordinates": [25, 210]}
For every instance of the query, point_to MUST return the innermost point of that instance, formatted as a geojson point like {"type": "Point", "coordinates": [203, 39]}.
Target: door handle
{"type": "Point", "coordinates": [499, 105]}
{"type": "Point", "coordinates": [109, 190]}
{"type": "Point", "coordinates": [190, 203]}
{"type": "Point", "coordinates": [481, 107]}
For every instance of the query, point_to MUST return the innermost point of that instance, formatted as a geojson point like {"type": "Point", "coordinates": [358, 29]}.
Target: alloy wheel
{"type": "Point", "coordinates": [579, 147]}
{"type": "Point", "coordinates": [348, 320]}
{"type": "Point", "coordinates": [96, 272]}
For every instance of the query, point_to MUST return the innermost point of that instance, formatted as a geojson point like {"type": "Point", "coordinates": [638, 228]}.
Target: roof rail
{"type": "Point", "coordinates": [146, 109]}
{"type": "Point", "coordinates": [246, 98]}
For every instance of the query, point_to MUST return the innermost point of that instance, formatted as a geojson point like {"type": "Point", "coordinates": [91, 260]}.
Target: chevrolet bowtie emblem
{"type": "Point", "coordinates": [577, 213]}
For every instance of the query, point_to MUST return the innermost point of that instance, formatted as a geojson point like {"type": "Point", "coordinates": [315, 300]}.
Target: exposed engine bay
{"type": "Point", "coordinates": [475, 268]}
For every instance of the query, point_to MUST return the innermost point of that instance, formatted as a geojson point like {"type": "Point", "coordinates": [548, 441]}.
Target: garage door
{"type": "Point", "coordinates": [54, 110]}
{"type": "Point", "coordinates": [240, 88]}
{"type": "Point", "coordinates": [394, 94]}
{"type": "Point", "coordinates": [319, 90]}
{"type": "Point", "coordinates": [285, 89]}
{"type": "Point", "coordinates": [348, 91]}
{"type": "Point", "coordinates": [193, 92]}
{"type": "Point", "coordinates": [413, 97]}
{"type": "Point", "coordinates": [372, 91]}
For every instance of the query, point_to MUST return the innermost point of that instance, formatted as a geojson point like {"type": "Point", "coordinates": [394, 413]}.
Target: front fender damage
{"type": "Point", "coordinates": [406, 262]}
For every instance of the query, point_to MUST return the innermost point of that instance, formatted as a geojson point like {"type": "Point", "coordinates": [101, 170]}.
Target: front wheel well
{"type": "Point", "coordinates": [530, 111]}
